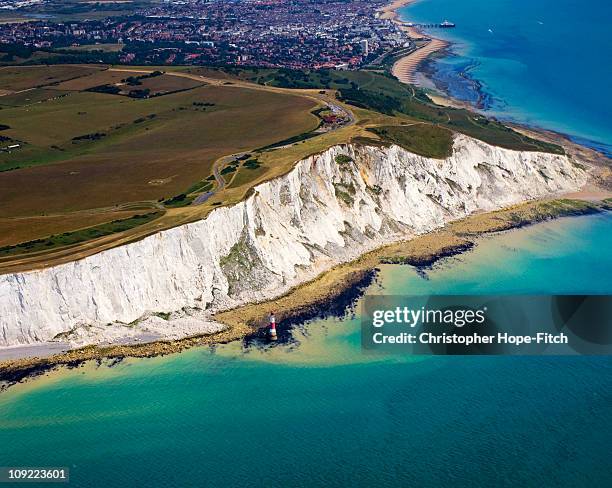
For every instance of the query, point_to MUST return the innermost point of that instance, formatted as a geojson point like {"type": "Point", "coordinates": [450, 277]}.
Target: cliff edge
{"type": "Point", "coordinates": [330, 208]}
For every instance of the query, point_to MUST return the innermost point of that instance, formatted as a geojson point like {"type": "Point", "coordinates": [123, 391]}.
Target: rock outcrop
{"type": "Point", "coordinates": [325, 211]}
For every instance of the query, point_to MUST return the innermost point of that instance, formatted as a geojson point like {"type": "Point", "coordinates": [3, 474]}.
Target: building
{"type": "Point", "coordinates": [364, 47]}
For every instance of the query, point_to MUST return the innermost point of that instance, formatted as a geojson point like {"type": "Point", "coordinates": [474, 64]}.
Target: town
{"type": "Point", "coordinates": [296, 34]}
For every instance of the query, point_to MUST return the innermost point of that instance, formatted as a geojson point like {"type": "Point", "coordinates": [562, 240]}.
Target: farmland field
{"type": "Point", "coordinates": [93, 79]}
{"type": "Point", "coordinates": [86, 145]}
{"type": "Point", "coordinates": [87, 150]}
{"type": "Point", "coordinates": [24, 77]}
{"type": "Point", "coordinates": [164, 84]}
{"type": "Point", "coordinates": [28, 97]}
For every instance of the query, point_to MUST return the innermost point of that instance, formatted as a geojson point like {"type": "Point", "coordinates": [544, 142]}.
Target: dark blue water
{"type": "Point", "coordinates": [319, 412]}
{"type": "Point", "coordinates": [547, 62]}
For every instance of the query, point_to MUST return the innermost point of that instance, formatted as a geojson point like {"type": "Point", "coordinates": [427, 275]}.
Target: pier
{"type": "Point", "coordinates": [442, 25]}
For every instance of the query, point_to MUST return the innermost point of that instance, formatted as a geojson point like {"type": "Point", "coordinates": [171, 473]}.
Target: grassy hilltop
{"type": "Point", "coordinates": [384, 94]}
{"type": "Point", "coordinates": [88, 150]}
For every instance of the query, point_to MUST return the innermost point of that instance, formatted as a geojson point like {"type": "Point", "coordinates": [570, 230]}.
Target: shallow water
{"type": "Point", "coordinates": [318, 411]}
{"type": "Point", "coordinates": [545, 63]}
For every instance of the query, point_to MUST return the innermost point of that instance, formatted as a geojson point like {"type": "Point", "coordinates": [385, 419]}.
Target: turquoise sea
{"type": "Point", "coordinates": [318, 412]}
{"type": "Point", "coordinates": [546, 63]}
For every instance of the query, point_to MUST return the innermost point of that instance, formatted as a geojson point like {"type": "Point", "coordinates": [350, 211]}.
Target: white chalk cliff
{"type": "Point", "coordinates": [289, 230]}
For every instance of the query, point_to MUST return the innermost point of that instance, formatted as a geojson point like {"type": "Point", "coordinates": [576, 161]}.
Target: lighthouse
{"type": "Point", "coordinates": [272, 326]}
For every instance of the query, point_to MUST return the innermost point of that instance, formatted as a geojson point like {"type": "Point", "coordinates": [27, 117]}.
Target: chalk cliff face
{"type": "Point", "coordinates": [290, 229]}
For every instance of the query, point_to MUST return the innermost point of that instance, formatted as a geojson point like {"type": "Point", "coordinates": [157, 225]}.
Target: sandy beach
{"type": "Point", "coordinates": [390, 11]}
{"type": "Point", "coordinates": [405, 68]}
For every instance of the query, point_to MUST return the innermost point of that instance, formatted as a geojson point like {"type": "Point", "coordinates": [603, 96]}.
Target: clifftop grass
{"type": "Point", "coordinates": [77, 236]}
{"type": "Point", "coordinates": [423, 139]}
{"type": "Point", "coordinates": [386, 95]}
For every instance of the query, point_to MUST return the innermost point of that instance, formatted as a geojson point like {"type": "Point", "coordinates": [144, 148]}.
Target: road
{"type": "Point", "coordinates": [219, 163]}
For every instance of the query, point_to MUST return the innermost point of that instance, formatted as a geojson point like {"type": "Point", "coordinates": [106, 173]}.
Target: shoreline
{"type": "Point", "coordinates": [405, 68]}
{"type": "Point", "coordinates": [389, 11]}
{"type": "Point", "coordinates": [328, 294]}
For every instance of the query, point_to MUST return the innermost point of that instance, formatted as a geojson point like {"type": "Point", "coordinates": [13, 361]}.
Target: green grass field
{"type": "Point", "coordinates": [83, 150]}
{"type": "Point", "coordinates": [25, 77]}
{"type": "Point", "coordinates": [78, 236]}
{"type": "Point", "coordinates": [70, 10]}
{"type": "Point", "coordinates": [15, 230]}
{"type": "Point", "coordinates": [384, 94]}
{"type": "Point", "coordinates": [426, 140]}
{"type": "Point", "coordinates": [160, 85]}
{"type": "Point", "coordinates": [94, 79]}
{"type": "Point", "coordinates": [29, 97]}
{"type": "Point", "coordinates": [106, 48]}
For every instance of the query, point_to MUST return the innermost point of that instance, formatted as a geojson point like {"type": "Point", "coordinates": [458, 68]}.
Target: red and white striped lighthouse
{"type": "Point", "coordinates": [272, 326]}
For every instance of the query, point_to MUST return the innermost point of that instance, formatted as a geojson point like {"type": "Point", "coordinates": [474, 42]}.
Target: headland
{"type": "Point", "coordinates": [341, 180]}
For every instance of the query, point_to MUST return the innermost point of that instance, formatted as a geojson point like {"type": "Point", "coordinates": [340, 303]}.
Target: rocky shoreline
{"type": "Point", "coordinates": [329, 294]}
{"type": "Point", "coordinates": [428, 260]}
{"type": "Point", "coordinates": [335, 302]}
{"type": "Point", "coordinates": [447, 83]}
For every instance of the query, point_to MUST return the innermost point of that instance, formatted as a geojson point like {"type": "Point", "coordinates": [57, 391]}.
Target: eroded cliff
{"type": "Point", "coordinates": [325, 211]}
